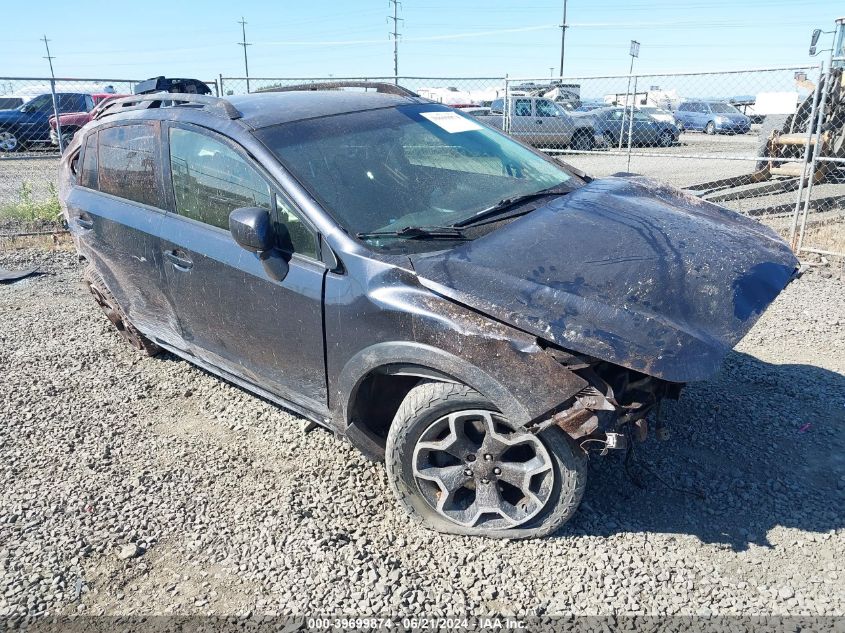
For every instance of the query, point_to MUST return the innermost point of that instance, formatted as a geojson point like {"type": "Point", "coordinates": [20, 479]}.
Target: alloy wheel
{"type": "Point", "coordinates": [476, 469]}
{"type": "Point", "coordinates": [8, 142]}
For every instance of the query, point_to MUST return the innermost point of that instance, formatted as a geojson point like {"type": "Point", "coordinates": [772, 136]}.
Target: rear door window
{"type": "Point", "coordinates": [546, 108]}
{"type": "Point", "coordinates": [71, 103]}
{"type": "Point", "coordinates": [522, 107]}
{"type": "Point", "coordinates": [129, 163]}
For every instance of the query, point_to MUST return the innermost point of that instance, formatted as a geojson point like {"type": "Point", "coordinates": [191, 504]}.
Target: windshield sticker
{"type": "Point", "coordinates": [451, 121]}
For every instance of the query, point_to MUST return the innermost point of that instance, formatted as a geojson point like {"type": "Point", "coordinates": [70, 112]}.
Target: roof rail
{"type": "Point", "coordinates": [379, 86]}
{"type": "Point", "coordinates": [146, 101]}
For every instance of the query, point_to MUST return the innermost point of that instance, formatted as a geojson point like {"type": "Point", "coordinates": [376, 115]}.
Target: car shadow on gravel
{"type": "Point", "coordinates": [757, 447]}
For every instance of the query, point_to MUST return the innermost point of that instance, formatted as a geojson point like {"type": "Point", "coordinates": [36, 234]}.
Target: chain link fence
{"type": "Point", "coordinates": [744, 139]}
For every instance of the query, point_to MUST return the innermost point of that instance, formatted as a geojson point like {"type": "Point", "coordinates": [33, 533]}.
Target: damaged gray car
{"type": "Point", "coordinates": [471, 311]}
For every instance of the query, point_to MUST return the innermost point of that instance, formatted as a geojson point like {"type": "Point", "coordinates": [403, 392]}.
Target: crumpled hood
{"type": "Point", "coordinates": [624, 269]}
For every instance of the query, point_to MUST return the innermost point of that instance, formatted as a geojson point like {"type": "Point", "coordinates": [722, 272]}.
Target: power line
{"type": "Point", "coordinates": [244, 43]}
{"type": "Point", "coordinates": [395, 35]}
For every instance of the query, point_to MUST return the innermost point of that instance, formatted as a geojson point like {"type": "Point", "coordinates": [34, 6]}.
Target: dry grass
{"type": "Point", "coordinates": [54, 242]}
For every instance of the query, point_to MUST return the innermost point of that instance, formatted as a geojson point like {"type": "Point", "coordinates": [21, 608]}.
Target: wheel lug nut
{"type": "Point", "coordinates": [470, 457]}
{"type": "Point", "coordinates": [497, 471]}
{"type": "Point", "coordinates": [468, 472]}
{"type": "Point", "coordinates": [485, 481]}
{"type": "Point", "coordinates": [488, 457]}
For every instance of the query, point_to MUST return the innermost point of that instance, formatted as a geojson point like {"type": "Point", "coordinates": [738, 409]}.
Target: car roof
{"type": "Point", "coordinates": [272, 108]}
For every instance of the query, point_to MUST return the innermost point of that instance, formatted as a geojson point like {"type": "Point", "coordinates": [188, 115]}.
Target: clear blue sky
{"type": "Point", "coordinates": [143, 38]}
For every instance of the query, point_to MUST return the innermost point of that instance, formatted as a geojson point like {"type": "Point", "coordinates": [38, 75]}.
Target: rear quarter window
{"type": "Point", "coordinates": [129, 165]}
{"type": "Point", "coordinates": [88, 177]}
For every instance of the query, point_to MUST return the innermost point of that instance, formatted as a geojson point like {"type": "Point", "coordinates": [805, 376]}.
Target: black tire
{"type": "Point", "coordinates": [583, 141]}
{"type": "Point", "coordinates": [710, 128]}
{"type": "Point", "coordinates": [428, 403]}
{"type": "Point", "coordinates": [105, 299]}
{"type": "Point", "coordinates": [10, 142]}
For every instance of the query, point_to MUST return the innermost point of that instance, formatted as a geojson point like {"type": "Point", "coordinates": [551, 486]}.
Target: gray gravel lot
{"type": "Point", "coordinates": [133, 485]}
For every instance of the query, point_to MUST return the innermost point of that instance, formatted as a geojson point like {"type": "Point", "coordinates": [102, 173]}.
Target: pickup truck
{"type": "Point", "coordinates": [71, 122]}
{"type": "Point", "coordinates": [543, 123]}
{"type": "Point", "coordinates": [27, 125]}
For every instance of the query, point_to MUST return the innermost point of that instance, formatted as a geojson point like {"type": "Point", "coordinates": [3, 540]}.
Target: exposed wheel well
{"type": "Point", "coordinates": [377, 398]}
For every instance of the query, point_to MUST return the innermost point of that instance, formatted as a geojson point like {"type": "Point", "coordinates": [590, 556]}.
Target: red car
{"type": "Point", "coordinates": [73, 121]}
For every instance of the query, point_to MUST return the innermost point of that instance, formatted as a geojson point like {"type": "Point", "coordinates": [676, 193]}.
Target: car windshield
{"type": "Point", "coordinates": [724, 108]}
{"type": "Point", "coordinates": [417, 165]}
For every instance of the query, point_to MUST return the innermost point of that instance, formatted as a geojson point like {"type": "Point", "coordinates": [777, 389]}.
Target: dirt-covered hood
{"type": "Point", "coordinates": [624, 269]}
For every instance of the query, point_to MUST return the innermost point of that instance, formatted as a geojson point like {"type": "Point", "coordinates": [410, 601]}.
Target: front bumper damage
{"type": "Point", "coordinates": [613, 408]}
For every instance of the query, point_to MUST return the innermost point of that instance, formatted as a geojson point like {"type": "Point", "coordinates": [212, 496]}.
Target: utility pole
{"type": "Point", "coordinates": [50, 59]}
{"type": "Point", "coordinates": [244, 43]}
{"type": "Point", "coordinates": [395, 36]}
{"type": "Point", "coordinates": [563, 28]}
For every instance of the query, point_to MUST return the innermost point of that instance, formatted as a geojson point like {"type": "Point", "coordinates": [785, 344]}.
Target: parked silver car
{"type": "Point", "coordinates": [542, 122]}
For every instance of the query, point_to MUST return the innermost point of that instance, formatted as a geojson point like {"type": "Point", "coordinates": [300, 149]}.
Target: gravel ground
{"type": "Point", "coordinates": [133, 485]}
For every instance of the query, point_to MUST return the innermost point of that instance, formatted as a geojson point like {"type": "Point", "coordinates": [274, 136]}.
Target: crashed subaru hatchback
{"type": "Point", "coordinates": [469, 310]}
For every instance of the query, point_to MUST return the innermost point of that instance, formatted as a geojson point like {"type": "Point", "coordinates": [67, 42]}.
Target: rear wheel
{"type": "Point", "coordinates": [105, 299]}
{"type": "Point", "coordinates": [459, 466]}
{"type": "Point", "coordinates": [583, 142]}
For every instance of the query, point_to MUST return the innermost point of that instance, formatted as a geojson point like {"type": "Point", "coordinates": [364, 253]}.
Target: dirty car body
{"type": "Point", "coordinates": [445, 297]}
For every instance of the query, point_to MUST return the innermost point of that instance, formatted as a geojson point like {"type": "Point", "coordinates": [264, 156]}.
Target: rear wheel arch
{"type": "Point", "coordinates": [376, 380]}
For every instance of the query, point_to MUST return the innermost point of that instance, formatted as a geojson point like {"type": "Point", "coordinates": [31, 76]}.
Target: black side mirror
{"type": "Point", "coordinates": [815, 38]}
{"type": "Point", "coordinates": [251, 228]}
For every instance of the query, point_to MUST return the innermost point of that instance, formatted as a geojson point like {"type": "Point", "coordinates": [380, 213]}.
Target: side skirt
{"type": "Point", "coordinates": [321, 418]}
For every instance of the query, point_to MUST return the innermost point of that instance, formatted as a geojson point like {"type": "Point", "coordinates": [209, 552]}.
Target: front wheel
{"type": "Point", "coordinates": [9, 142]}
{"type": "Point", "coordinates": [667, 139]}
{"type": "Point", "coordinates": [459, 466]}
{"type": "Point", "coordinates": [710, 128]}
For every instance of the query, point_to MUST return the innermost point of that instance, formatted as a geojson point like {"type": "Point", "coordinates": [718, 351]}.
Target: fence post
{"type": "Point", "coordinates": [631, 123]}
{"type": "Point", "coordinates": [506, 107]}
{"type": "Point", "coordinates": [793, 231]}
{"type": "Point", "coordinates": [220, 80]}
{"type": "Point", "coordinates": [816, 151]}
{"type": "Point", "coordinates": [56, 114]}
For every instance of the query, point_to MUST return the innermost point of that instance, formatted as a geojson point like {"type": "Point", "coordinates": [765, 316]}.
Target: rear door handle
{"type": "Point", "coordinates": [178, 261]}
{"type": "Point", "coordinates": [83, 220]}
